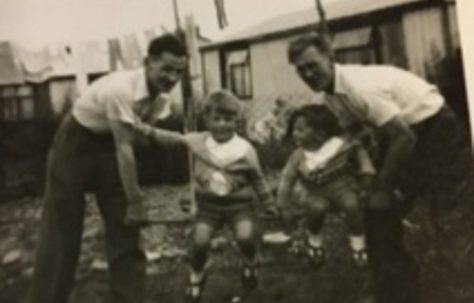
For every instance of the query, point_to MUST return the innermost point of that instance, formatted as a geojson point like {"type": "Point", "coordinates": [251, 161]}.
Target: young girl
{"type": "Point", "coordinates": [331, 169]}
{"type": "Point", "coordinates": [227, 175]}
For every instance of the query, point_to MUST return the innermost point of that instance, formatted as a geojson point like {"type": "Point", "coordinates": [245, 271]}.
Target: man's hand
{"type": "Point", "coordinates": [381, 199]}
{"type": "Point", "coordinates": [137, 215]}
{"type": "Point", "coordinates": [401, 142]}
{"type": "Point", "coordinates": [123, 137]}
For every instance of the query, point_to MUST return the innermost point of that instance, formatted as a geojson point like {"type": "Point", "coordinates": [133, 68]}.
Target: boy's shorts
{"type": "Point", "coordinates": [218, 212]}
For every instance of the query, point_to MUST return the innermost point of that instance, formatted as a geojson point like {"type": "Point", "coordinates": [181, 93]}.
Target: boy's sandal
{"type": "Point", "coordinates": [295, 248]}
{"type": "Point", "coordinates": [317, 255]}
{"type": "Point", "coordinates": [359, 258]}
{"type": "Point", "coordinates": [194, 290]}
{"type": "Point", "coordinates": [249, 277]}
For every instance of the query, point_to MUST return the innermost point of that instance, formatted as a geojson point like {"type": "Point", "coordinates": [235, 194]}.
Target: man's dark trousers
{"type": "Point", "coordinates": [81, 161]}
{"type": "Point", "coordinates": [442, 159]}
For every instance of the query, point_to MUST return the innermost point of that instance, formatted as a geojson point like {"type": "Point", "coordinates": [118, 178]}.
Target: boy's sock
{"type": "Point", "coordinates": [315, 240]}
{"type": "Point", "coordinates": [249, 252]}
{"type": "Point", "coordinates": [196, 276]}
{"type": "Point", "coordinates": [249, 274]}
{"type": "Point", "coordinates": [357, 242]}
{"type": "Point", "coordinates": [196, 283]}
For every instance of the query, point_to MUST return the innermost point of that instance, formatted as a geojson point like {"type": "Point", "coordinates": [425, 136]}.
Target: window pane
{"type": "Point", "coordinates": [247, 81]}
{"type": "Point", "coordinates": [356, 56]}
{"type": "Point", "coordinates": [25, 91]}
{"type": "Point", "coordinates": [4, 104]}
{"type": "Point", "coordinates": [9, 91]}
{"type": "Point", "coordinates": [352, 38]}
{"type": "Point", "coordinates": [27, 108]}
{"type": "Point", "coordinates": [237, 80]}
{"type": "Point", "coordinates": [14, 109]}
{"type": "Point", "coordinates": [241, 80]}
{"type": "Point", "coordinates": [8, 109]}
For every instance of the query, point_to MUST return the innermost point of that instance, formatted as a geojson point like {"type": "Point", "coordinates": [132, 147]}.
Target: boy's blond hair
{"type": "Point", "coordinates": [223, 102]}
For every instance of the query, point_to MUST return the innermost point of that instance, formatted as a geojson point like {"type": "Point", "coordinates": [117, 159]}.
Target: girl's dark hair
{"type": "Point", "coordinates": [318, 117]}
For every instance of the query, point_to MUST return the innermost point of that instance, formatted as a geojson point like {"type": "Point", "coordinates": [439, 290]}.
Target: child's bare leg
{"type": "Point", "coordinates": [349, 204]}
{"type": "Point", "coordinates": [318, 208]}
{"type": "Point", "coordinates": [245, 235]}
{"type": "Point", "coordinates": [201, 239]}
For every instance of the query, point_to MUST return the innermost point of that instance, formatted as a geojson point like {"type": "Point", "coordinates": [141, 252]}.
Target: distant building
{"type": "Point", "coordinates": [414, 34]}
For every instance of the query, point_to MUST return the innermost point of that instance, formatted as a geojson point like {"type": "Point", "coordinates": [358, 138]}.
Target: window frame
{"type": "Point", "coordinates": [12, 107]}
{"type": "Point", "coordinates": [246, 75]}
{"type": "Point", "coordinates": [372, 45]}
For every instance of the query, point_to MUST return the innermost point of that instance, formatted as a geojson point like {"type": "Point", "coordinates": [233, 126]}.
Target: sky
{"type": "Point", "coordinates": [34, 23]}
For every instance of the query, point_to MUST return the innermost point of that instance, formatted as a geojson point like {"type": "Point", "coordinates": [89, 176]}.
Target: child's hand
{"type": "Point", "coordinates": [272, 212]}
{"type": "Point", "coordinates": [286, 215]}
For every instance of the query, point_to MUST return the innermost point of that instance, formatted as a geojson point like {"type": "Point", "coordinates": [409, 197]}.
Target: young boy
{"type": "Point", "coordinates": [227, 174]}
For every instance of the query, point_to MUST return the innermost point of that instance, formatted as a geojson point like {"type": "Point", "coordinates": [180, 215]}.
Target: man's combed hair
{"type": "Point", "coordinates": [301, 43]}
{"type": "Point", "coordinates": [223, 102]}
{"type": "Point", "coordinates": [318, 117]}
{"type": "Point", "coordinates": [166, 43]}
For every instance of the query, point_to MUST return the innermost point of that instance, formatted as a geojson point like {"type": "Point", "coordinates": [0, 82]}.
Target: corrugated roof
{"type": "Point", "coordinates": [335, 10]}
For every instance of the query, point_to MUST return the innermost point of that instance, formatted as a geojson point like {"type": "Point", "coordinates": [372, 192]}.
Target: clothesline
{"type": "Point", "coordinates": [57, 60]}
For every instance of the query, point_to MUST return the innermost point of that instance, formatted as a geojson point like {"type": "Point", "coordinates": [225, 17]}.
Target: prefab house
{"type": "Point", "coordinates": [415, 34]}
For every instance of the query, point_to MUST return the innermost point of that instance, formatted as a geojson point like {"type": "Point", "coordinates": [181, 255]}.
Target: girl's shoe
{"type": "Point", "coordinates": [359, 258]}
{"type": "Point", "coordinates": [249, 277]}
{"type": "Point", "coordinates": [195, 289]}
{"type": "Point", "coordinates": [317, 255]}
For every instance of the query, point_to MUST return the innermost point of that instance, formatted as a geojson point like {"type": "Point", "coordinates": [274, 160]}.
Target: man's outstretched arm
{"type": "Point", "coordinates": [123, 137]}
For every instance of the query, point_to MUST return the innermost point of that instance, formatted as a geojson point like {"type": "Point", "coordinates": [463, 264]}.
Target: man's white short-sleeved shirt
{"type": "Point", "coordinates": [378, 93]}
{"type": "Point", "coordinates": [118, 96]}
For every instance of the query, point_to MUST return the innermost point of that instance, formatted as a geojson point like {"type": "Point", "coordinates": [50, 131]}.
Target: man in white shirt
{"type": "Point", "coordinates": [419, 138]}
{"type": "Point", "coordinates": [93, 151]}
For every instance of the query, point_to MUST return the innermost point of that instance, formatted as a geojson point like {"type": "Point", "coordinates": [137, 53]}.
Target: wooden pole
{"type": "Point", "coordinates": [176, 15]}
{"type": "Point", "coordinates": [322, 26]}
{"type": "Point", "coordinates": [80, 71]}
{"type": "Point", "coordinates": [187, 92]}
{"type": "Point", "coordinates": [194, 57]}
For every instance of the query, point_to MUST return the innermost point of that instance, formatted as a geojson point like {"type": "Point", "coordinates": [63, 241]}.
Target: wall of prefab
{"type": "Point", "coordinates": [433, 51]}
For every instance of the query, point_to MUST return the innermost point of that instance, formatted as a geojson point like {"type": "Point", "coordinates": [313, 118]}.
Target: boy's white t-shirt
{"type": "Point", "coordinates": [223, 154]}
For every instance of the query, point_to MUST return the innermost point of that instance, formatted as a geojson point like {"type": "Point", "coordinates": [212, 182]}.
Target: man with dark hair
{"type": "Point", "coordinates": [93, 151]}
{"type": "Point", "coordinates": [423, 150]}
